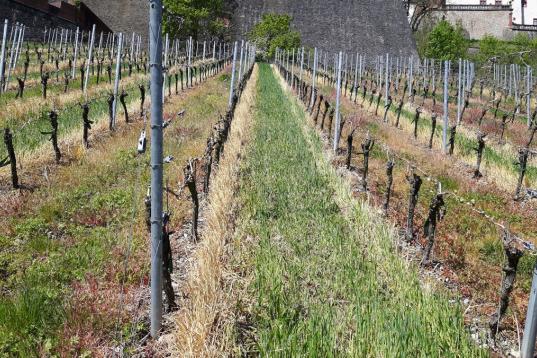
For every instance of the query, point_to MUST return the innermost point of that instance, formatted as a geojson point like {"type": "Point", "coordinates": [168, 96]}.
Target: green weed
{"type": "Point", "coordinates": [327, 284]}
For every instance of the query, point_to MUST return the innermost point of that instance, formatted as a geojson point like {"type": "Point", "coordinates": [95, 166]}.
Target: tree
{"type": "Point", "coordinates": [489, 49]}
{"type": "Point", "coordinates": [446, 42]}
{"type": "Point", "coordinates": [521, 50]}
{"type": "Point", "coordinates": [196, 18]}
{"type": "Point", "coordinates": [421, 8]}
{"type": "Point", "coordinates": [274, 31]}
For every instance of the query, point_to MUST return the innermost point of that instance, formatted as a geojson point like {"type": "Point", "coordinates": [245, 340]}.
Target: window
{"type": "Point", "coordinates": [535, 22]}
{"type": "Point", "coordinates": [482, 2]}
{"type": "Point", "coordinates": [498, 2]}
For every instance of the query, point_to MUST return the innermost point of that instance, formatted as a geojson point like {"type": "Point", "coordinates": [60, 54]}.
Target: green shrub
{"type": "Point", "coordinates": [274, 31]}
{"type": "Point", "coordinates": [446, 42]}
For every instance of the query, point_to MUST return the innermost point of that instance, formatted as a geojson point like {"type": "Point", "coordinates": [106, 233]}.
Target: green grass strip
{"type": "Point", "coordinates": [326, 283]}
{"type": "Point", "coordinates": [30, 138]}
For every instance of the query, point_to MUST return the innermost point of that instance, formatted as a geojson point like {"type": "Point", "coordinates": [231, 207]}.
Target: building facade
{"type": "Point", "coordinates": [500, 18]}
{"type": "Point", "coordinates": [524, 12]}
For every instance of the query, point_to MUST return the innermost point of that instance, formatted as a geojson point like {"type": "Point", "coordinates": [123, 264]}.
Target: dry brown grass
{"type": "Point", "coordinates": [21, 109]}
{"type": "Point", "coordinates": [32, 163]}
{"type": "Point", "coordinates": [515, 135]}
{"type": "Point", "coordinates": [195, 321]}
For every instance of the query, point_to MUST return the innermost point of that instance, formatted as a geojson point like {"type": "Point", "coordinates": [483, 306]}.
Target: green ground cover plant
{"type": "Point", "coordinates": [327, 280]}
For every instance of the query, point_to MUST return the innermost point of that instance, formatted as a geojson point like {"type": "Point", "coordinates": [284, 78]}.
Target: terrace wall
{"type": "Point", "coordinates": [372, 27]}
{"type": "Point", "coordinates": [39, 15]}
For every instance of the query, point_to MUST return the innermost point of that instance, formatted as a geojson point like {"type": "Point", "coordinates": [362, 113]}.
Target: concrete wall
{"type": "Point", "coordinates": [477, 24]}
{"type": "Point", "coordinates": [366, 26]}
{"type": "Point", "coordinates": [530, 10]}
{"type": "Point", "coordinates": [36, 21]}
{"type": "Point", "coordinates": [39, 15]}
{"type": "Point", "coordinates": [125, 16]}
{"type": "Point", "coordinates": [371, 27]}
{"type": "Point", "coordinates": [476, 2]}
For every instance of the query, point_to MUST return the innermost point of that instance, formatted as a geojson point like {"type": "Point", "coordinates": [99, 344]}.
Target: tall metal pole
{"type": "Point", "coordinates": [155, 65]}
{"type": "Point", "coordinates": [112, 44]}
{"type": "Point", "coordinates": [61, 41]}
{"type": "Point", "coordinates": [240, 61]}
{"type": "Point", "coordinates": [73, 73]}
{"type": "Point", "coordinates": [3, 55]}
{"type": "Point", "coordinates": [232, 86]}
{"type": "Point", "coordinates": [410, 81]}
{"type": "Point", "coordinates": [19, 42]}
{"type": "Point", "coordinates": [66, 43]}
{"type": "Point", "coordinates": [49, 38]}
{"type": "Point", "coordinates": [301, 69]}
{"type": "Point", "coordinates": [293, 70]}
{"type": "Point", "coordinates": [530, 329]}
{"type": "Point", "coordinates": [214, 50]}
{"type": "Point", "coordinates": [189, 61]}
{"type": "Point", "coordinates": [286, 63]}
{"type": "Point", "coordinates": [131, 53]}
{"type": "Point", "coordinates": [459, 93]}
{"type": "Point", "coordinates": [100, 44]}
{"type": "Point", "coordinates": [314, 78]}
{"type": "Point", "coordinates": [355, 84]}
{"type": "Point", "coordinates": [528, 94]}
{"type": "Point", "coordinates": [386, 80]}
{"type": "Point", "coordinates": [11, 56]}
{"type": "Point", "coordinates": [90, 54]}
{"type": "Point", "coordinates": [361, 70]}
{"type": "Point", "coordinates": [116, 81]}
{"type": "Point", "coordinates": [511, 73]}
{"type": "Point", "coordinates": [516, 77]}
{"type": "Point", "coordinates": [176, 56]}
{"type": "Point", "coordinates": [446, 110]}
{"type": "Point", "coordinates": [434, 74]}
{"type": "Point", "coordinates": [165, 66]}
{"type": "Point", "coordinates": [338, 98]}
